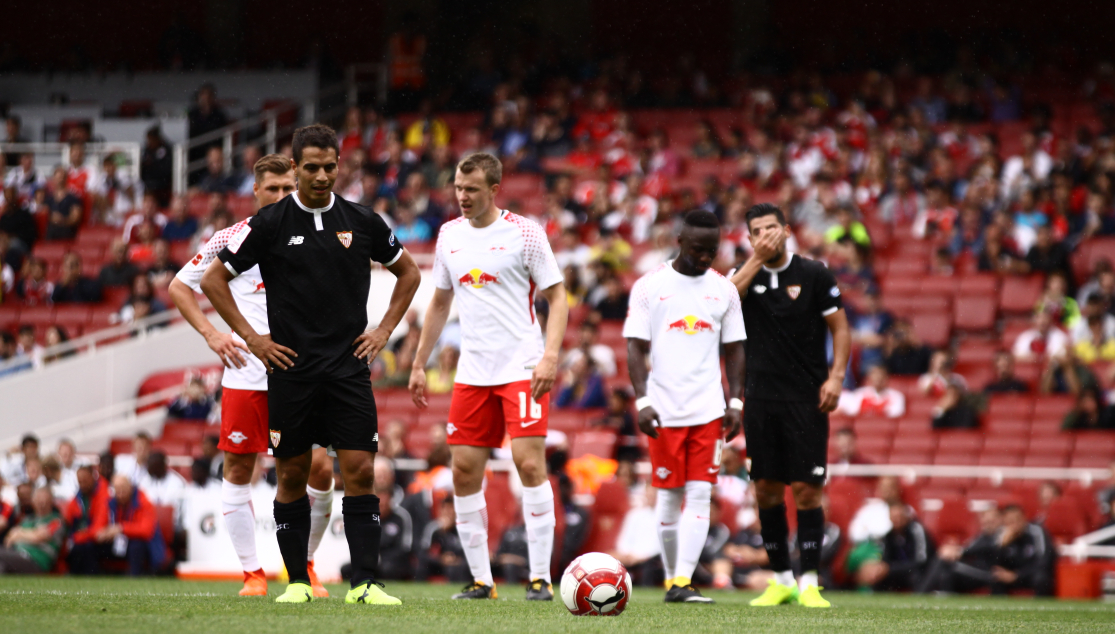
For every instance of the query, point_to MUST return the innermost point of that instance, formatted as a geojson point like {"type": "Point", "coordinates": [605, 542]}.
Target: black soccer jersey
{"type": "Point", "coordinates": [315, 267]}
{"type": "Point", "coordinates": [785, 311]}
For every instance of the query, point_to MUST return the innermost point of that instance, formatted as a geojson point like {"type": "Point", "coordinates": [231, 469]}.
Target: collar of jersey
{"type": "Point", "coordinates": [502, 214]}
{"type": "Point", "coordinates": [298, 202]}
{"type": "Point", "coordinates": [789, 259]}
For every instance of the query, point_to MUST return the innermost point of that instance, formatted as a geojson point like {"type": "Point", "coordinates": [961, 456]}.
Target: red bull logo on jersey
{"type": "Point", "coordinates": [690, 325]}
{"type": "Point", "coordinates": [479, 279]}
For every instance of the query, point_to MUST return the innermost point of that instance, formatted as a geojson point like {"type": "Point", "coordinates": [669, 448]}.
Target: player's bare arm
{"type": "Point", "coordinates": [542, 379]}
{"type": "Point", "coordinates": [227, 348]}
{"type": "Point", "coordinates": [841, 348]}
{"type": "Point", "coordinates": [637, 351]}
{"type": "Point", "coordinates": [437, 313]}
{"type": "Point", "coordinates": [214, 283]}
{"type": "Point", "coordinates": [733, 365]}
{"type": "Point", "coordinates": [407, 279]}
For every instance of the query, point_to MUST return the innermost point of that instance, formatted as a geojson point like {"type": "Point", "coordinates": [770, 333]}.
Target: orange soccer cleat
{"type": "Point", "coordinates": [319, 590]}
{"type": "Point", "coordinates": [255, 584]}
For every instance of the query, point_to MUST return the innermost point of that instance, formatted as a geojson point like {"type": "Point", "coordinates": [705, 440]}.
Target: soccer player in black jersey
{"type": "Point", "coordinates": [314, 250]}
{"type": "Point", "coordinates": [790, 304]}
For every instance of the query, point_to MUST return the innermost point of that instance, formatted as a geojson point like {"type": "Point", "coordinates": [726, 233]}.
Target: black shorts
{"type": "Point", "coordinates": [337, 412]}
{"type": "Point", "coordinates": [787, 441]}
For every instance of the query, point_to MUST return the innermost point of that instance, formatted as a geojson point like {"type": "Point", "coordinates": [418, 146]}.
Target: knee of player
{"type": "Point", "coordinates": [360, 472]}
{"type": "Point", "coordinates": [533, 467]}
{"type": "Point", "coordinates": [698, 491]}
{"type": "Point", "coordinates": [807, 496]}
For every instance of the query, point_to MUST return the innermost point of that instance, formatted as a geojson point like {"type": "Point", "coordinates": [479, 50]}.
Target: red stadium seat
{"type": "Point", "coordinates": [38, 316]}
{"type": "Point", "coordinates": [9, 318]}
{"type": "Point", "coordinates": [909, 457]}
{"type": "Point", "coordinates": [1095, 443]}
{"type": "Point", "coordinates": [1044, 461]}
{"type": "Point", "coordinates": [172, 447]}
{"type": "Point", "coordinates": [191, 432]}
{"type": "Point", "coordinates": [960, 442]}
{"type": "Point", "coordinates": [950, 458]}
{"type": "Point", "coordinates": [980, 284]}
{"type": "Point", "coordinates": [607, 517]}
{"type": "Point", "coordinates": [1052, 406]}
{"type": "Point", "coordinates": [939, 285]}
{"type": "Point", "coordinates": [1006, 443]}
{"type": "Point", "coordinates": [100, 235]}
{"type": "Point", "coordinates": [907, 442]}
{"type": "Point", "coordinates": [1009, 406]}
{"type": "Point", "coordinates": [165, 516]}
{"type": "Point", "coordinates": [1089, 462]}
{"type": "Point", "coordinates": [874, 445]}
{"type": "Point", "coordinates": [975, 313]}
{"type": "Point", "coordinates": [601, 443]}
{"type": "Point", "coordinates": [1060, 445]}
{"type": "Point", "coordinates": [1019, 294]}
{"type": "Point", "coordinates": [1065, 520]}
{"type": "Point", "coordinates": [953, 522]}
{"type": "Point", "coordinates": [1000, 459]}
{"type": "Point", "coordinates": [895, 285]}
{"type": "Point", "coordinates": [977, 352]}
{"type": "Point", "coordinates": [503, 508]}
{"type": "Point", "coordinates": [933, 329]}
{"type": "Point", "coordinates": [997, 428]}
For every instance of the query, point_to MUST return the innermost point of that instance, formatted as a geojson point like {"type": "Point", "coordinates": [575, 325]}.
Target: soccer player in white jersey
{"type": "Point", "coordinates": [244, 431]}
{"type": "Point", "coordinates": [494, 262]}
{"type": "Point", "coordinates": [679, 317]}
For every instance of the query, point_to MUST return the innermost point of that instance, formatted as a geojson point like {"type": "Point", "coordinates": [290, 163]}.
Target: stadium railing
{"type": "Point", "coordinates": [48, 155]}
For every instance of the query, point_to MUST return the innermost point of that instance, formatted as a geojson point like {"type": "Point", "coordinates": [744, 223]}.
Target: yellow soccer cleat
{"type": "Point", "coordinates": [371, 593]}
{"type": "Point", "coordinates": [297, 593]}
{"type": "Point", "coordinates": [775, 594]}
{"type": "Point", "coordinates": [811, 598]}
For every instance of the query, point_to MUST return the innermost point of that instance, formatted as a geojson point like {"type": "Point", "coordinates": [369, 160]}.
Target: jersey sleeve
{"type": "Point", "coordinates": [827, 292]}
{"type": "Point", "coordinates": [385, 247]}
{"type": "Point", "coordinates": [442, 279]}
{"type": "Point", "coordinates": [732, 328]}
{"type": "Point", "coordinates": [246, 247]}
{"type": "Point", "coordinates": [637, 324]}
{"type": "Point", "coordinates": [190, 275]}
{"type": "Point", "coordinates": [538, 257]}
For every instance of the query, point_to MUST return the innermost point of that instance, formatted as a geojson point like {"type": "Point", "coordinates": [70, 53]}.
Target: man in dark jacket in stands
{"type": "Point", "coordinates": [908, 553]}
{"type": "Point", "coordinates": [1026, 558]}
{"type": "Point", "coordinates": [73, 286]}
{"type": "Point", "coordinates": [968, 568]}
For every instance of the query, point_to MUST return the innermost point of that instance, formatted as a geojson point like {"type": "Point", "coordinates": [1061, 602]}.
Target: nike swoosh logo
{"type": "Point", "coordinates": [665, 524]}
{"type": "Point", "coordinates": [662, 299]}
{"type": "Point", "coordinates": [528, 423]}
{"type": "Point", "coordinates": [533, 514]}
{"type": "Point", "coordinates": [453, 250]}
{"type": "Point", "coordinates": [714, 469]}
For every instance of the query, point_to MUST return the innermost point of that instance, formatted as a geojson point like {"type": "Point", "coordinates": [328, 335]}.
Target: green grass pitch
{"type": "Point", "coordinates": [53, 605]}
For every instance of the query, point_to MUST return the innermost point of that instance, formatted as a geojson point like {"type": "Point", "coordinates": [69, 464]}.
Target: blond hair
{"type": "Point", "coordinates": [490, 165]}
{"type": "Point", "coordinates": [273, 164]}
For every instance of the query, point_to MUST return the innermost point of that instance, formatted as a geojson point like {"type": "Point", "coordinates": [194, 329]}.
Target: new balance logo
{"type": "Point", "coordinates": [295, 240]}
{"type": "Point", "coordinates": [760, 289]}
{"type": "Point", "coordinates": [818, 471]}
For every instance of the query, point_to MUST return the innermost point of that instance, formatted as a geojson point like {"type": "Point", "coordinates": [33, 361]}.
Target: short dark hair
{"type": "Point", "coordinates": [702, 218]}
{"type": "Point", "coordinates": [317, 135]}
{"type": "Point", "coordinates": [765, 209]}
{"type": "Point", "coordinates": [28, 438]}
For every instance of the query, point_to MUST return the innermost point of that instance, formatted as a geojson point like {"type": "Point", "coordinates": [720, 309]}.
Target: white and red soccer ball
{"type": "Point", "coordinates": [595, 584]}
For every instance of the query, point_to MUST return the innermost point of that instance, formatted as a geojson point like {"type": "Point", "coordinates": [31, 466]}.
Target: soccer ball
{"type": "Point", "coordinates": [595, 584]}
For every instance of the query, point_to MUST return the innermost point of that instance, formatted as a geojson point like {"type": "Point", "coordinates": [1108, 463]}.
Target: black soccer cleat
{"type": "Point", "coordinates": [477, 590]}
{"type": "Point", "coordinates": [539, 590]}
{"type": "Point", "coordinates": [686, 594]}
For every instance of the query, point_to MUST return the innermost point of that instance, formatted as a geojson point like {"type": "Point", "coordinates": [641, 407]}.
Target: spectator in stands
{"type": "Point", "coordinates": [67, 455]}
{"type": "Point", "coordinates": [113, 193]}
{"type": "Point", "coordinates": [1026, 556]}
{"type": "Point", "coordinates": [968, 568]}
{"type": "Point", "coordinates": [636, 547]}
{"type": "Point", "coordinates": [132, 534]}
{"type": "Point", "coordinates": [1043, 341]}
{"type": "Point", "coordinates": [417, 194]}
{"type": "Point", "coordinates": [86, 514]}
{"type": "Point", "coordinates": [953, 410]}
{"type": "Point", "coordinates": [907, 554]}
{"type": "Point", "coordinates": [996, 256]}
{"type": "Point", "coordinates": [1102, 283]}
{"type": "Point", "coordinates": [742, 561]}
{"type": "Point", "coordinates": [937, 379]}
{"type": "Point", "coordinates": [428, 130]}
{"type": "Point", "coordinates": [1005, 382]}
{"type": "Point", "coordinates": [1089, 412]}
{"type": "Point", "coordinates": [870, 325]}
{"type": "Point", "coordinates": [440, 379]}
{"type": "Point", "coordinates": [34, 545]}
{"type": "Point", "coordinates": [148, 214]}
{"type": "Point", "coordinates": [52, 472]}
{"type": "Point", "coordinates": [397, 534]}
{"type": "Point", "coordinates": [8, 354]}
{"type": "Point", "coordinates": [846, 452]}
{"type": "Point", "coordinates": [118, 271]}
{"type": "Point", "coordinates": [162, 269]}
{"type": "Point", "coordinates": [1056, 301]}
{"type": "Point", "coordinates": [1047, 255]}
{"type": "Point", "coordinates": [937, 218]}
{"type": "Point", "coordinates": [15, 465]}
{"type": "Point", "coordinates": [511, 553]}
{"type": "Point", "coordinates": [106, 467]}
{"type": "Point", "coordinates": [142, 301]}
{"type": "Point", "coordinates": [16, 221]}
{"type": "Point", "coordinates": [80, 177]}
{"type": "Point", "coordinates": [619, 418]}
{"type": "Point", "coordinates": [162, 485]}
{"type": "Point", "coordinates": [23, 508]}
{"type": "Point", "coordinates": [582, 386]}
{"type": "Point", "coordinates": [904, 203]}
{"type": "Point", "coordinates": [55, 335]}
{"type": "Point", "coordinates": [602, 355]}
{"type": "Point", "coordinates": [1093, 336]}
{"type": "Point", "coordinates": [133, 465]}
{"type": "Point", "coordinates": [1048, 492]}
{"type": "Point", "coordinates": [65, 209]}
{"type": "Point", "coordinates": [72, 286]}
{"type": "Point", "coordinates": [409, 228]}
{"type": "Point", "coordinates": [24, 178]}
{"type": "Point", "coordinates": [217, 179]}
{"type": "Point", "coordinates": [180, 225]}
{"type": "Point", "coordinates": [205, 116]}
{"type": "Point", "coordinates": [904, 354]}
{"type": "Point", "coordinates": [613, 305]}
{"type": "Point", "coordinates": [246, 177]}
{"type": "Point", "coordinates": [214, 455]}
{"type": "Point", "coordinates": [440, 551]}
{"type": "Point", "coordinates": [1066, 374]}
{"type": "Point", "coordinates": [200, 480]}
{"type": "Point", "coordinates": [875, 398]}
{"type": "Point", "coordinates": [194, 404]}
{"type": "Point", "coordinates": [156, 165]}
{"type": "Point", "coordinates": [27, 347]}
{"type": "Point", "coordinates": [872, 521]}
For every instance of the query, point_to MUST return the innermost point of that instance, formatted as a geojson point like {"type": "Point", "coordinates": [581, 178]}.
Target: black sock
{"type": "Point", "coordinates": [292, 530]}
{"type": "Point", "coordinates": [362, 530]}
{"type": "Point", "coordinates": [775, 533]}
{"type": "Point", "coordinates": [811, 535]}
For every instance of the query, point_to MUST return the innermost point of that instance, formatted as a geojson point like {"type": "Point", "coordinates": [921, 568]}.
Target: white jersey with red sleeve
{"type": "Point", "coordinates": [251, 298]}
{"type": "Point", "coordinates": [494, 273]}
{"type": "Point", "coordinates": [685, 318]}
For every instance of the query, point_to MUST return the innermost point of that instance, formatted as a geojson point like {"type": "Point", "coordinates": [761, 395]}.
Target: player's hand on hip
{"type": "Point", "coordinates": [272, 355]}
{"type": "Point", "coordinates": [226, 348]}
{"type": "Point", "coordinates": [830, 394]}
{"type": "Point", "coordinates": [733, 423]}
{"type": "Point", "coordinates": [417, 386]}
{"type": "Point", "coordinates": [543, 377]}
{"type": "Point", "coordinates": [369, 344]}
{"type": "Point", "coordinates": [648, 421]}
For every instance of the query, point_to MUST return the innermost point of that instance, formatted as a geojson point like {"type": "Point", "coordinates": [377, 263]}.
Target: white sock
{"type": "Point", "coordinates": [240, 522]}
{"type": "Point", "coordinates": [667, 511]}
{"type": "Point", "coordinates": [785, 577]}
{"type": "Point", "coordinates": [321, 508]}
{"type": "Point", "coordinates": [540, 520]}
{"type": "Point", "coordinates": [472, 528]}
{"type": "Point", "coordinates": [807, 579]}
{"type": "Point", "coordinates": [693, 527]}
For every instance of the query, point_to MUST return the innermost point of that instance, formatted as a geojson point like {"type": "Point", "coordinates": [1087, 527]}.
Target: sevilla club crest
{"type": "Point", "coordinates": [275, 436]}
{"type": "Point", "coordinates": [793, 291]}
{"type": "Point", "coordinates": [345, 237]}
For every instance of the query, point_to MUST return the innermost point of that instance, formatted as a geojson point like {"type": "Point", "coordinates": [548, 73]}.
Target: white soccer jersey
{"type": "Point", "coordinates": [251, 298]}
{"type": "Point", "coordinates": [685, 319]}
{"type": "Point", "coordinates": [494, 273]}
